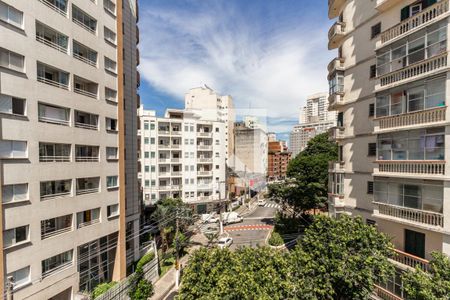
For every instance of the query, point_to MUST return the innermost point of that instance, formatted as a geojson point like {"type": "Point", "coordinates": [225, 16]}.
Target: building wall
{"type": "Point", "coordinates": [250, 150]}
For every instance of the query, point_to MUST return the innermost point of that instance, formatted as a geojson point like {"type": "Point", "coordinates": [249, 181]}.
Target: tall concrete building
{"type": "Point", "coordinates": [390, 84]}
{"type": "Point", "coordinates": [314, 119]}
{"type": "Point", "coordinates": [250, 149]}
{"type": "Point", "coordinates": [182, 156]}
{"type": "Point", "coordinates": [68, 165]}
{"type": "Point", "coordinates": [278, 160]}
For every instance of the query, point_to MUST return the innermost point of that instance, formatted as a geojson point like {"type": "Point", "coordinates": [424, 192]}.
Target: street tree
{"type": "Point", "coordinates": [431, 285]}
{"type": "Point", "coordinates": [341, 259]}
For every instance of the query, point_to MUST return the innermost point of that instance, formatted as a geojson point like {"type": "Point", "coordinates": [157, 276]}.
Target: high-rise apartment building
{"type": "Point", "coordinates": [390, 83]}
{"type": "Point", "coordinates": [250, 149]}
{"type": "Point", "coordinates": [69, 193]}
{"type": "Point", "coordinates": [182, 156]}
{"type": "Point", "coordinates": [314, 119]}
{"type": "Point", "coordinates": [278, 160]}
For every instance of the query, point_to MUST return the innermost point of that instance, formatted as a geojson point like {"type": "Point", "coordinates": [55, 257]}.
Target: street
{"type": "Point", "coordinates": [254, 229]}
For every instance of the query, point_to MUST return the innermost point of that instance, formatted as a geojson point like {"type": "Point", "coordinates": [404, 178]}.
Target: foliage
{"type": "Point", "coordinates": [145, 259]}
{"type": "Point", "coordinates": [286, 224]}
{"type": "Point", "coordinates": [433, 285]}
{"type": "Point", "coordinates": [211, 236]}
{"type": "Point", "coordinates": [341, 259]}
{"type": "Point", "coordinates": [180, 242]}
{"type": "Point", "coordinates": [144, 290]}
{"type": "Point", "coordinates": [275, 239]}
{"type": "Point", "coordinates": [337, 259]}
{"type": "Point", "coordinates": [102, 288]}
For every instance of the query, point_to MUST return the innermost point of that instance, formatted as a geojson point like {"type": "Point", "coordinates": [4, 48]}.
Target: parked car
{"type": "Point", "coordinates": [231, 217]}
{"type": "Point", "coordinates": [224, 242]}
{"type": "Point", "coordinates": [209, 218]}
{"type": "Point", "coordinates": [261, 202]}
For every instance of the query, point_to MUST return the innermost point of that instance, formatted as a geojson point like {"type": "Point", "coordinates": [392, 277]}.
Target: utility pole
{"type": "Point", "coordinates": [9, 288]}
{"type": "Point", "coordinates": [177, 246]}
{"type": "Point", "coordinates": [220, 206]}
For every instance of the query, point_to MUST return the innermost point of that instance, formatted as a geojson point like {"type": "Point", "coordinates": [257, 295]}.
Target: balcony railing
{"type": "Point", "coordinates": [53, 83]}
{"type": "Point", "coordinates": [86, 125]}
{"type": "Point", "coordinates": [175, 160]}
{"type": "Point", "coordinates": [85, 93]}
{"type": "Point", "coordinates": [336, 98]}
{"type": "Point", "coordinates": [49, 196]}
{"type": "Point", "coordinates": [163, 146]}
{"type": "Point", "coordinates": [51, 44]}
{"type": "Point", "coordinates": [175, 173]}
{"type": "Point", "coordinates": [57, 269]}
{"type": "Point", "coordinates": [86, 159]}
{"type": "Point", "coordinates": [166, 132]}
{"type": "Point", "coordinates": [85, 60]}
{"type": "Point", "coordinates": [84, 224]}
{"type": "Point", "coordinates": [204, 147]}
{"type": "Point", "coordinates": [409, 214]}
{"type": "Point", "coordinates": [204, 134]}
{"type": "Point", "coordinates": [337, 64]}
{"type": "Point", "coordinates": [204, 173]}
{"type": "Point", "coordinates": [87, 191]}
{"type": "Point", "coordinates": [410, 260]}
{"type": "Point", "coordinates": [426, 16]}
{"type": "Point", "coordinates": [335, 34]}
{"type": "Point", "coordinates": [426, 66]}
{"type": "Point", "coordinates": [55, 232]}
{"type": "Point", "coordinates": [53, 158]}
{"type": "Point", "coordinates": [425, 167]}
{"type": "Point", "coordinates": [163, 160]}
{"type": "Point", "coordinates": [336, 133]}
{"type": "Point", "coordinates": [431, 115]}
{"type": "Point", "coordinates": [79, 23]}
{"type": "Point", "coordinates": [175, 132]}
{"type": "Point", "coordinates": [175, 146]}
{"type": "Point", "coordinates": [385, 294]}
{"type": "Point", "coordinates": [54, 121]}
{"type": "Point", "coordinates": [205, 160]}
{"type": "Point", "coordinates": [52, 6]}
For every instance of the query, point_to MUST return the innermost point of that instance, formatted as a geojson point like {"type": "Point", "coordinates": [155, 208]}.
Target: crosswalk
{"type": "Point", "coordinates": [272, 205]}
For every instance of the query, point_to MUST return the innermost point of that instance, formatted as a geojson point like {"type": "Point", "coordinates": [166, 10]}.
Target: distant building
{"type": "Point", "coordinates": [278, 160]}
{"type": "Point", "coordinates": [271, 136]}
{"type": "Point", "coordinates": [314, 119]}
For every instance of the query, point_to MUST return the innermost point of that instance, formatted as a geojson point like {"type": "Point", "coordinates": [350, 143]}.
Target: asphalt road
{"type": "Point", "coordinates": [254, 229]}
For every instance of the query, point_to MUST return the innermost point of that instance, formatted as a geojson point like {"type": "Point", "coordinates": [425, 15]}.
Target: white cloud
{"type": "Point", "coordinates": [273, 68]}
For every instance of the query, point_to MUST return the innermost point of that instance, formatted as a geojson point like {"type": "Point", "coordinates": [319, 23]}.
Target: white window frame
{"type": "Point", "coordinates": [12, 145]}
{"type": "Point", "coordinates": [7, 104]}
{"type": "Point", "coordinates": [20, 283]}
{"type": "Point", "coordinates": [9, 10]}
{"type": "Point", "coordinates": [109, 208]}
{"type": "Point", "coordinates": [13, 241]}
{"type": "Point", "coordinates": [8, 53]}
{"type": "Point", "coordinates": [13, 188]}
{"type": "Point", "coordinates": [108, 182]}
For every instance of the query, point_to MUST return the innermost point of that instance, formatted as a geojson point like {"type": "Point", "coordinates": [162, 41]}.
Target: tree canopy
{"type": "Point", "coordinates": [431, 285]}
{"type": "Point", "coordinates": [337, 259]}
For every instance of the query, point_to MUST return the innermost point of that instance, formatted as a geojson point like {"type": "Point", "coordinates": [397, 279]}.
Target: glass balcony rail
{"type": "Point", "coordinates": [51, 38]}
{"type": "Point", "coordinates": [53, 77]}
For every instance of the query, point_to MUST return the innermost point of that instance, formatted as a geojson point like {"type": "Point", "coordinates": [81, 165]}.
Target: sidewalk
{"type": "Point", "coordinates": [247, 208]}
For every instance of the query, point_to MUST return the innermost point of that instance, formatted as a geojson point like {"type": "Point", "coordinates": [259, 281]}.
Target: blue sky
{"type": "Point", "coordinates": [267, 54]}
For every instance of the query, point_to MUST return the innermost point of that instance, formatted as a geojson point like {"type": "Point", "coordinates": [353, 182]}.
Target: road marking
{"type": "Point", "coordinates": [272, 205]}
{"type": "Point", "coordinates": [248, 227]}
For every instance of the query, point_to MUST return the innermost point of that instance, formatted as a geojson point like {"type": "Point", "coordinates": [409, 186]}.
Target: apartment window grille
{"type": "Point", "coordinates": [15, 192]}
{"type": "Point", "coordinates": [375, 30]}
{"type": "Point", "coordinates": [372, 149]}
{"type": "Point", "coordinates": [20, 277]}
{"type": "Point", "coordinates": [11, 15]}
{"type": "Point", "coordinates": [55, 188]}
{"type": "Point", "coordinates": [12, 60]}
{"type": "Point", "coordinates": [52, 38]}
{"type": "Point", "coordinates": [13, 149]}
{"type": "Point", "coordinates": [109, 35]}
{"type": "Point", "coordinates": [57, 263]}
{"type": "Point", "coordinates": [88, 217]}
{"type": "Point", "coordinates": [12, 105]}
{"type": "Point", "coordinates": [424, 196]}
{"type": "Point", "coordinates": [15, 236]}
{"type": "Point", "coordinates": [53, 114]}
{"type": "Point", "coordinates": [84, 20]}
{"type": "Point", "coordinates": [425, 44]}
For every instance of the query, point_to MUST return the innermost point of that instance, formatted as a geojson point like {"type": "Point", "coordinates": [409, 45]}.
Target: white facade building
{"type": "Point", "coordinates": [250, 149]}
{"type": "Point", "coordinates": [182, 156]}
{"type": "Point", "coordinates": [390, 84]}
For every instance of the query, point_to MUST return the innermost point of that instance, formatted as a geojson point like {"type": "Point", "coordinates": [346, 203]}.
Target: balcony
{"type": "Point", "coordinates": [204, 173]}
{"type": "Point", "coordinates": [175, 173]}
{"type": "Point", "coordinates": [52, 76]}
{"type": "Point", "coordinates": [204, 134]}
{"type": "Point", "coordinates": [335, 35]}
{"type": "Point", "coordinates": [86, 120]}
{"type": "Point", "coordinates": [175, 132]}
{"type": "Point", "coordinates": [415, 71]}
{"type": "Point", "coordinates": [85, 87]}
{"type": "Point", "coordinates": [204, 147]}
{"type": "Point", "coordinates": [382, 293]}
{"type": "Point", "coordinates": [207, 160]}
{"type": "Point", "coordinates": [337, 201]}
{"type": "Point", "coordinates": [54, 152]}
{"type": "Point", "coordinates": [433, 13]}
{"type": "Point", "coordinates": [175, 160]}
{"type": "Point", "coordinates": [336, 167]}
{"type": "Point", "coordinates": [84, 20]}
{"type": "Point", "coordinates": [51, 37]}
{"type": "Point", "coordinates": [334, 8]}
{"type": "Point", "coordinates": [56, 226]}
{"type": "Point", "coordinates": [410, 167]}
{"type": "Point", "coordinates": [336, 133]}
{"type": "Point", "coordinates": [84, 54]}
{"type": "Point", "coordinates": [337, 64]}
{"type": "Point", "coordinates": [336, 99]}
{"type": "Point", "coordinates": [409, 260]}
{"type": "Point", "coordinates": [164, 146]}
{"type": "Point", "coordinates": [59, 6]}
{"type": "Point", "coordinates": [428, 116]}
{"type": "Point", "coordinates": [164, 174]}
{"type": "Point", "coordinates": [409, 215]}
{"type": "Point", "coordinates": [86, 153]}
{"type": "Point", "coordinates": [163, 131]}
{"type": "Point", "coordinates": [88, 185]}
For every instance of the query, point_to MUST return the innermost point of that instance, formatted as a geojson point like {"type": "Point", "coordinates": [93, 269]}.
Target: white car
{"type": "Point", "coordinates": [224, 242]}
{"type": "Point", "coordinates": [261, 202]}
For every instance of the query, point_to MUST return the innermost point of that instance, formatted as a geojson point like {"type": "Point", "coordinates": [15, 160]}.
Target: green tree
{"type": "Point", "coordinates": [144, 290]}
{"type": "Point", "coordinates": [276, 239]}
{"type": "Point", "coordinates": [341, 259]}
{"type": "Point", "coordinates": [431, 285]}
{"type": "Point", "coordinates": [102, 288]}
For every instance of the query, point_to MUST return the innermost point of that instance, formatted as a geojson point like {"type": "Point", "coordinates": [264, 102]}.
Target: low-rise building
{"type": "Point", "coordinates": [278, 160]}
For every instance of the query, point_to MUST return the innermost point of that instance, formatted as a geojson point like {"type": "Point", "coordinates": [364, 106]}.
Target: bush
{"type": "Point", "coordinates": [144, 290]}
{"type": "Point", "coordinates": [102, 288]}
{"type": "Point", "coordinates": [145, 260]}
{"type": "Point", "coordinates": [275, 239]}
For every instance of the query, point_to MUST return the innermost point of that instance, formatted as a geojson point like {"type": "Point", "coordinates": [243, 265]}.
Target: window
{"type": "Point", "coordinates": [55, 226]}
{"type": "Point", "coordinates": [54, 152]}
{"type": "Point", "coordinates": [55, 188]}
{"type": "Point", "coordinates": [146, 154]}
{"type": "Point", "coordinates": [217, 167]}
{"type": "Point", "coordinates": [152, 126]}
{"type": "Point", "coordinates": [110, 6]}
{"type": "Point", "coordinates": [415, 243]}
{"type": "Point", "coordinates": [111, 153]}
{"type": "Point", "coordinates": [371, 109]}
{"type": "Point", "coordinates": [112, 210]}
{"type": "Point", "coordinates": [111, 124]}
{"type": "Point", "coordinates": [146, 125]}
{"type": "Point", "coordinates": [110, 36]}
{"type": "Point", "coordinates": [424, 44]}
{"type": "Point", "coordinates": [15, 236]}
{"type": "Point", "coordinates": [110, 65]}
{"type": "Point", "coordinates": [111, 182]}
{"type": "Point", "coordinates": [217, 129]}
{"type": "Point", "coordinates": [372, 149]}
{"type": "Point", "coordinates": [56, 263]}
{"type": "Point", "coordinates": [11, 60]}
{"type": "Point", "coordinates": [53, 114]}
{"type": "Point", "coordinates": [20, 277]}
{"type": "Point", "coordinates": [88, 185]}
{"type": "Point", "coordinates": [336, 183]}
{"type": "Point", "coordinates": [147, 169]}
{"type": "Point", "coordinates": [153, 182]}
{"type": "Point", "coordinates": [152, 141]}
{"type": "Point", "coordinates": [88, 217]}
{"type": "Point", "coordinates": [373, 71]}
{"type": "Point", "coordinates": [12, 105]}
{"type": "Point", "coordinates": [336, 83]}
{"type": "Point", "coordinates": [420, 144]}
{"type": "Point", "coordinates": [375, 30]}
{"type": "Point", "coordinates": [152, 168]}
{"type": "Point", "coordinates": [52, 38]}
{"type": "Point", "coordinates": [147, 183]}
{"type": "Point", "coordinates": [152, 154]}
{"type": "Point", "coordinates": [146, 140]}
{"type": "Point", "coordinates": [13, 149]}
{"type": "Point", "coordinates": [369, 187]}
{"type": "Point", "coordinates": [340, 119]}
{"type": "Point", "coordinates": [15, 192]}
{"type": "Point", "coordinates": [52, 76]}
{"type": "Point", "coordinates": [81, 18]}
{"type": "Point", "coordinates": [11, 15]}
